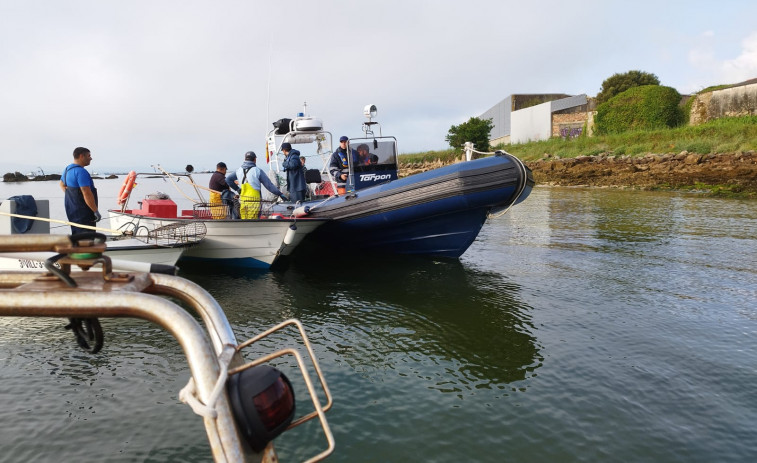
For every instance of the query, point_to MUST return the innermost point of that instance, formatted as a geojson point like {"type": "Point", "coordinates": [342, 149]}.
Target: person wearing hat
{"type": "Point", "coordinates": [250, 177]}
{"type": "Point", "coordinates": [339, 164]}
{"type": "Point", "coordinates": [220, 189]}
{"type": "Point", "coordinates": [295, 175]}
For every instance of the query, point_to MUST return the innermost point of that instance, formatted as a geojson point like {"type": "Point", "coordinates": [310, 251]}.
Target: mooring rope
{"type": "Point", "coordinates": [521, 187]}
{"type": "Point", "coordinates": [188, 393]}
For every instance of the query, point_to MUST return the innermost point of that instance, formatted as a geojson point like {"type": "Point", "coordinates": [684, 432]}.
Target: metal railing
{"type": "Point", "coordinates": [212, 354]}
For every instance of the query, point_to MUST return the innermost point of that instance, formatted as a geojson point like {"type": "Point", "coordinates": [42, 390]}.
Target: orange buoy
{"type": "Point", "coordinates": [127, 186]}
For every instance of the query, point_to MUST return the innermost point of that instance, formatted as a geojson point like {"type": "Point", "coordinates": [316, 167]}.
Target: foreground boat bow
{"type": "Point", "coordinates": [219, 373]}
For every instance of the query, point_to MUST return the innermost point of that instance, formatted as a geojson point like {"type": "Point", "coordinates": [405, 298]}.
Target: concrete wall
{"type": "Point", "coordinates": [500, 116]}
{"type": "Point", "coordinates": [728, 102]}
{"type": "Point", "coordinates": [531, 124]}
{"type": "Point", "coordinates": [557, 114]}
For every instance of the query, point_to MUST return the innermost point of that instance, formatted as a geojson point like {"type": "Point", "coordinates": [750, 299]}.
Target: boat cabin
{"type": "Point", "coordinates": [373, 160]}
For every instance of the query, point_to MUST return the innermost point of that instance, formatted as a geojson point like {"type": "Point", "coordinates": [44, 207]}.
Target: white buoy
{"type": "Point", "coordinates": [289, 237]}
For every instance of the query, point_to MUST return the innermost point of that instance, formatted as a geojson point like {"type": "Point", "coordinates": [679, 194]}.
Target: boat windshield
{"type": "Point", "coordinates": [375, 160]}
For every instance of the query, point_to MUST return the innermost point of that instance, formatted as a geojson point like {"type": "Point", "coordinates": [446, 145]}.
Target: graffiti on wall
{"type": "Point", "coordinates": [571, 130]}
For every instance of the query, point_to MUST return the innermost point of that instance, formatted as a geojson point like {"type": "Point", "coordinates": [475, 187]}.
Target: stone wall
{"type": "Point", "coordinates": [728, 102]}
{"type": "Point", "coordinates": [568, 125]}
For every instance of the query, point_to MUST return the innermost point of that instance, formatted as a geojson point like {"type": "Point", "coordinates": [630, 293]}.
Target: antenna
{"type": "Point", "coordinates": [268, 91]}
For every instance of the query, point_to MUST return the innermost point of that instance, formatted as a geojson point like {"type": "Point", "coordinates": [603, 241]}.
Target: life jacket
{"type": "Point", "coordinates": [343, 159]}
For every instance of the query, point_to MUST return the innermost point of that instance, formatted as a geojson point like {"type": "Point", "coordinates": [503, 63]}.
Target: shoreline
{"type": "Point", "coordinates": [725, 174]}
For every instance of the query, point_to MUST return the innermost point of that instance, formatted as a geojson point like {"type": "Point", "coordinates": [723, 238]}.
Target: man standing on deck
{"type": "Point", "coordinates": [80, 193]}
{"type": "Point", "coordinates": [250, 177]}
{"type": "Point", "coordinates": [219, 197]}
{"type": "Point", "coordinates": [295, 174]}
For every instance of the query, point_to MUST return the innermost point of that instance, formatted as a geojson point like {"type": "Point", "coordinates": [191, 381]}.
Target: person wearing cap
{"type": "Point", "coordinates": [219, 196]}
{"type": "Point", "coordinates": [250, 177]}
{"type": "Point", "coordinates": [295, 175]}
{"type": "Point", "coordinates": [339, 164]}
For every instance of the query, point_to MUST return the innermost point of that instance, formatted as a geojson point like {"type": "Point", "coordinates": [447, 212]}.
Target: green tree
{"type": "Point", "coordinates": [648, 107]}
{"type": "Point", "coordinates": [619, 83]}
{"type": "Point", "coordinates": [476, 130]}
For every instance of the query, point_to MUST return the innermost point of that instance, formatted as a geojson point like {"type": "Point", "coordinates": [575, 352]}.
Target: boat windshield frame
{"type": "Point", "coordinates": [323, 140]}
{"type": "Point", "coordinates": [369, 173]}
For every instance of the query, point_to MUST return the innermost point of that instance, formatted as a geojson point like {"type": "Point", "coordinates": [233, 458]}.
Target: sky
{"type": "Point", "coordinates": [173, 83]}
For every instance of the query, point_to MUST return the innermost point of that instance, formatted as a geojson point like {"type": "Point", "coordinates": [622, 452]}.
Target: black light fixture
{"type": "Point", "coordinates": [262, 400]}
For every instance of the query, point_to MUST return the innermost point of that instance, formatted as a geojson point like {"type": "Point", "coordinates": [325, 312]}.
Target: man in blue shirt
{"type": "Point", "coordinates": [80, 193]}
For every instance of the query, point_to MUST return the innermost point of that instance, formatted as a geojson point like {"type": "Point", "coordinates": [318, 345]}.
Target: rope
{"type": "Point", "coordinates": [188, 393]}
{"type": "Point", "coordinates": [61, 221]}
{"type": "Point", "coordinates": [170, 177]}
{"type": "Point", "coordinates": [520, 190]}
{"type": "Point", "coordinates": [322, 202]}
{"type": "Point", "coordinates": [487, 152]}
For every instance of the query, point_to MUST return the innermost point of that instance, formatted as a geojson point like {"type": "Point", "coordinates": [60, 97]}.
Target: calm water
{"type": "Point", "coordinates": [586, 325]}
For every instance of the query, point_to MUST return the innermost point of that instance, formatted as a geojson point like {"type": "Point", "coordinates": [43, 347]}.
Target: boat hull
{"type": "Point", "coordinates": [131, 250]}
{"type": "Point", "coordinates": [256, 244]}
{"type": "Point", "coordinates": [436, 213]}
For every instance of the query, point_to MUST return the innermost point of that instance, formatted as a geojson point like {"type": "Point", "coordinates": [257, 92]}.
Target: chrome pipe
{"type": "Point", "coordinates": [224, 439]}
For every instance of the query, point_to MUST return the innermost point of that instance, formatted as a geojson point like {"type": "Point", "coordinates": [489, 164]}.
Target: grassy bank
{"type": "Point", "coordinates": [726, 135]}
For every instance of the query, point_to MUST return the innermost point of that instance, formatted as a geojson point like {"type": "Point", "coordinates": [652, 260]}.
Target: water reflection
{"type": "Point", "coordinates": [458, 327]}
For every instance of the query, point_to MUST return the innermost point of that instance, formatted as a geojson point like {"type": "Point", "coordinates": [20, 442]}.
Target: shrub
{"type": "Point", "coordinates": [619, 83]}
{"type": "Point", "coordinates": [699, 147]}
{"type": "Point", "coordinates": [647, 107]}
{"type": "Point", "coordinates": [475, 130]}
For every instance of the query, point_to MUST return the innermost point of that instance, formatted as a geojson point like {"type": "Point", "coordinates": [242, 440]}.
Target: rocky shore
{"type": "Point", "coordinates": [19, 177]}
{"type": "Point", "coordinates": [734, 173]}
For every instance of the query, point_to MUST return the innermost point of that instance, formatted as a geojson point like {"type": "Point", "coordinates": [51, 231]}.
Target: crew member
{"type": "Point", "coordinates": [339, 164]}
{"type": "Point", "coordinates": [80, 194]}
{"type": "Point", "coordinates": [218, 205]}
{"type": "Point", "coordinates": [295, 173]}
{"type": "Point", "coordinates": [250, 177]}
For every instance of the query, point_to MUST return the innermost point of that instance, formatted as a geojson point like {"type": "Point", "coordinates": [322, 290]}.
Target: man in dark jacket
{"type": "Point", "coordinates": [339, 164]}
{"type": "Point", "coordinates": [221, 193]}
{"type": "Point", "coordinates": [295, 175]}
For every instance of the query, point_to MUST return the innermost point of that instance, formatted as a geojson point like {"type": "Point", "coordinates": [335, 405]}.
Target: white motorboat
{"type": "Point", "coordinates": [148, 252]}
{"type": "Point", "coordinates": [126, 254]}
{"type": "Point", "coordinates": [247, 243]}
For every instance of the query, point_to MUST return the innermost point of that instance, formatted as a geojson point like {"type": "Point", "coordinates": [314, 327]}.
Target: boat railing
{"type": "Point", "coordinates": [213, 355]}
{"type": "Point", "coordinates": [262, 208]}
{"type": "Point", "coordinates": [323, 149]}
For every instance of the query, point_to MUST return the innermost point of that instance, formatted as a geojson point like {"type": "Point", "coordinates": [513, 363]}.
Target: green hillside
{"type": "Point", "coordinates": [725, 135]}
